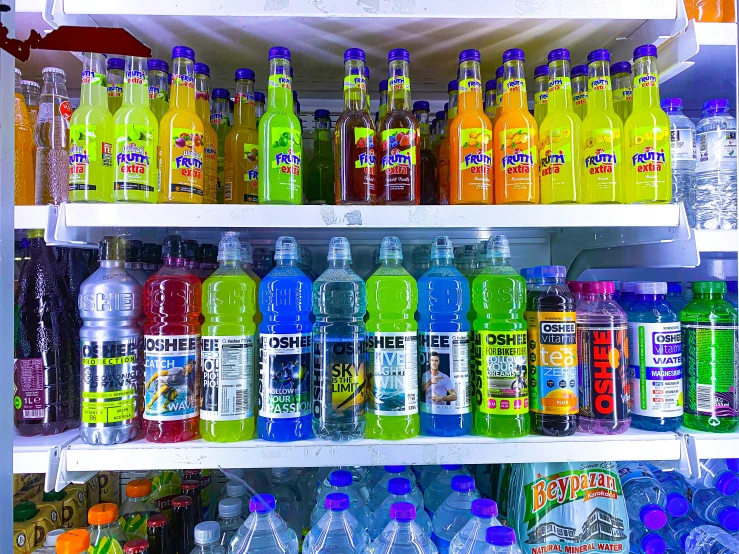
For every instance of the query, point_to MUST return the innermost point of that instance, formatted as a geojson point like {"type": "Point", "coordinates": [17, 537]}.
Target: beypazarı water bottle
{"type": "Point", "coordinates": [399, 490]}
{"type": "Point", "coordinates": [677, 529]}
{"type": "Point", "coordinates": [645, 541]}
{"type": "Point", "coordinates": [645, 497]}
{"type": "Point", "coordinates": [285, 347]}
{"type": "Point", "coordinates": [337, 530]}
{"type": "Point", "coordinates": [471, 539]}
{"type": "Point", "coordinates": [264, 532]}
{"type": "Point", "coordinates": [501, 540]}
{"type": "Point", "coordinates": [682, 150]}
{"type": "Point", "coordinates": [229, 518]}
{"type": "Point", "coordinates": [403, 535]}
{"type": "Point", "coordinates": [341, 482]}
{"type": "Point", "coordinates": [443, 345]}
{"type": "Point", "coordinates": [708, 539]}
{"type": "Point", "coordinates": [110, 348]}
{"type": "Point", "coordinates": [603, 360]}
{"type": "Point", "coordinates": [655, 360]}
{"type": "Point", "coordinates": [380, 490]}
{"type": "Point", "coordinates": [207, 537]}
{"type": "Point", "coordinates": [454, 512]}
{"type": "Point", "coordinates": [339, 348]}
{"type": "Point", "coordinates": [717, 509]}
{"type": "Point", "coordinates": [426, 476]}
{"type": "Point", "coordinates": [441, 486]}
{"type": "Point", "coordinates": [716, 474]}
{"type": "Point", "coordinates": [674, 485]}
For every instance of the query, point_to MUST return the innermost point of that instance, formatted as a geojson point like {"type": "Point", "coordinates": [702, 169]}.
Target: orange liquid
{"type": "Point", "coordinates": [729, 9]}
{"type": "Point", "coordinates": [471, 148]}
{"type": "Point", "coordinates": [25, 194]}
{"type": "Point", "coordinates": [704, 10]}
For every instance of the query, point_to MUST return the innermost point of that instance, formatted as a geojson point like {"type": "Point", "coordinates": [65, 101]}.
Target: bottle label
{"type": "Point", "coordinates": [559, 83]}
{"type": "Point", "coordinates": [134, 154]}
{"type": "Point", "coordinates": [650, 154]}
{"type": "Point", "coordinates": [286, 151]}
{"type": "Point", "coordinates": [111, 371]}
{"type": "Point", "coordinates": [228, 374]}
{"type": "Point", "coordinates": [469, 85]}
{"type": "Point", "coordinates": [602, 83]}
{"type": "Point", "coordinates": [339, 377]}
{"type": "Point", "coordinates": [364, 146]}
{"type": "Point", "coordinates": [519, 156]}
{"type": "Point", "coordinates": [553, 363]}
{"type": "Point", "coordinates": [634, 470]}
{"type": "Point", "coordinates": [84, 152]}
{"type": "Point", "coordinates": [580, 98]}
{"type": "Point", "coordinates": [218, 118]}
{"type": "Point", "coordinates": [602, 353]}
{"type": "Point", "coordinates": [477, 157]}
{"type": "Point", "coordinates": [29, 400]}
{"type": "Point", "coordinates": [135, 77]}
{"type": "Point", "coordinates": [444, 382]}
{"type": "Point", "coordinates": [187, 162]}
{"type": "Point", "coordinates": [501, 381]}
{"type": "Point", "coordinates": [398, 151]}
{"type": "Point", "coordinates": [655, 369]}
{"type": "Point", "coordinates": [555, 151]}
{"type": "Point", "coordinates": [514, 85]}
{"type": "Point", "coordinates": [646, 80]}
{"type": "Point", "coordinates": [65, 110]}
{"type": "Point", "coordinates": [716, 146]}
{"type": "Point", "coordinates": [399, 83]}
{"type": "Point", "coordinates": [711, 369]}
{"type": "Point", "coordinates": [355, 82]}
{"type": "Point", "coordinates": [393, 373]}
{"type": "Point", "coordinates": [182, 80]}
{"type": "Point", "coordinates": [105, 544]}
{"type": "Point", "coordinates": [251, 175]}
{"type": "Point", "coordinates": [245, 99]}
{"type": "Point", "coordinates": [172, 363]}
{"type": "Point", "coordinates": [602, 154]}
{"type": "Point", "coordinates": [541, 97]}
{"type": "Point", "coordinates": [284, 382]}
{"type": "Point", "coordinates": [623, 95]}
{"type": "Point", "coordinates": [134, 526]}
{"type": "Point", "coordinates": [156, 93]}
{"type": "Point", "coordinates": [90, 77]}
{"type": "Point", "coordinates": [279, 80]}
{"type": "Point", "coordinates": [682, 144]}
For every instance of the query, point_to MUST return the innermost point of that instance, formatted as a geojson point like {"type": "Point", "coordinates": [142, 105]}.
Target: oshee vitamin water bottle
{"type": "Point", "coordinates": [172, 299]}
{"type": "Point", "coordinates": [392, 350]}
{"type": "Point", "coordinates": [443, 345]}
{"type": "Point", "coordinates": [285, 348]}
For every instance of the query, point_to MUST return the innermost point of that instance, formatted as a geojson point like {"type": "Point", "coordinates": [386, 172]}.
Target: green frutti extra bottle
{"type": "Point", "coordinates": [392, 348]}
{"type": "Point", "coordinates": [229, 306]}
{"type": "Point", "coordinates": [319, 173]}
{"type": "Point", "coordinates": [710, 338]}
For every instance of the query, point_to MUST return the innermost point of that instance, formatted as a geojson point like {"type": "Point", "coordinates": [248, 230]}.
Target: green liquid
{"type": "Point", "coordinates": [319, 175]}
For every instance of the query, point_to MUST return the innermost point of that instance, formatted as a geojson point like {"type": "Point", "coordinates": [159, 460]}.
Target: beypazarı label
{"type": "Point", "coordinates": [501, 383]}
{"type": "Point", "coordinates": [171, 369]}
{"type": "Point", "coordinates": [444, 382]}
{"type": "Point", "coordinates": [227, 376]}
{"type": "Point", "coordinates": [393, 373]}
{"type": "Point", "coordinates": [339, 375]}
{"type": "Point", "coordinates": [284, 375]}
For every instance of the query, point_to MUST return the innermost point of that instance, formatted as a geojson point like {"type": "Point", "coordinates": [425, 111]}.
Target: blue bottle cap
{"type": "Point", "coordinates": [499, 71]}
{"type": "Point", "coordinates": [402, 511]}
{"type": "Point", "coordinates": [463, 483]}
{"type": "Point", "coordinates": [354, 54]}
{"type": "Point", "coordinates": [727, 483]}
{"type": "Point", "coordinates": [286, 248]}
{"type": "Point", "coordinates": [451, 467]}
{"type": "Point", "coordinates": [393, 469]}
{"type": "Point", "coordinates": [262, 503]}
{"type": "Point", "coordinates": [600, 55]}
{"type": "Point", "coordinates": [452, 85]}
{"type": "Point", "coordinates": [652, 543]}
{"type": "Point", "coordinates": [336, 502]}
{"type": "Point", "coordinates": [550, 272]}
{"type": "Point", "coordinates": [244, 73]}
{"type": "Point", "coordinates": [183, 52]}
{"type": "Point", "coordinates": [671, 105]}
{"type": "Point", "coordinates": [653, 516]}
{"type": "Point", "coordinates": [220, 93]}
{"type": "Point", "coordinates": [733, 463]}
{"type": "Point", "coordinates": [442, 249]}
{"type": "Point", "coordinates": [484, 507]}
{"type": "Point", "coordinates": [470, 55]}
{"type": "Point", "coordinates": [729, 518]}
{"type": "Point", "coordinates": [440, 114]}
{"type": "Point", "coordinates": [446, 107]}
{"type": "Point", "coordinates": [280, 52]}
{"type": "Point", "coordinates": [421, 105]}
{"type": "Point", "coordinates": [202, 69]}
{"type": "Point", "coordinates": [718, 105]}
{"type": "Point", "coordinates": [541, 71]}
{"type": "Point", "coordinates": [391, 249]}
{"type": "Point", "coordinates": [490, 84]}
{"type": "Point", "coordinates": [579, 71]}
{"type": "Point", "coordinates": [645, 50]}
{"type": "Point", "coordinates": [340, 478]}
{"type": "Point", "coordinates": [620, 67]}
{"type": "Point", "coordinates": [677, 505]}
{"type": "Point", "coordinates": [259, 97]}
{"type": "Point", "coordinates": [512, 54]}
{"type": "Point", "coordinates": [500, 535]}
{"type": "Point", "coordinates": [650, 287]}
{"type": "Point", "coordinates": [398, 54]}
{"type": "Point", "coordinates": [157, 65]}
{"type": "Point", "coordinates": [116, 63]}
{"type": "Point", "coordinates": [383, 85]}
{"type": "Point", "coordinates": [558, 54]}
{"type": "Point", "coordinates": [322, 114]}
{"type": "Point", "coordinates": [399, 485]}
{"type": "Point", "coordinates": [677, 288]}
{"type": "Point", "coordinates": [527, 273]}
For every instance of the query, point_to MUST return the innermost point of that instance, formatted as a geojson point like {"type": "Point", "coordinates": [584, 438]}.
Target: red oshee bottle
{"type": "Point", "coordinates": [172, 299]}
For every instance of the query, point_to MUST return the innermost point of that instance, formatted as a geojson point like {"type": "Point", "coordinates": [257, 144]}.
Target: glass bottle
{"type": "Point", "coordinates": [25, 194]}
{"type": "Point", "coordinates": [32, 94]}
{"type": "Point", "coordinates": [158, 87]}
{"type": "Point", "coordinates": [319, 173]}
{"type": "Point", "coordinates": [259, 107]}
{"type": "Point", "coordinates": [491, 100]}
{"type": "Point", "coordinates": [623, 97]}
{"type": "Point", "coordinates": [429, 190]}
{"type": "Point", "coordinates": [383, 99]}
{"type": "Point", "coordinates": [242, 149]}
{"type": "Point", "coordinates": [579, 76]}
{"type": "Point", "coordinates": [541, 93]}
{"type": "Point", "coordinates": [444, 150]}
{"type": "Point", "coordinates": [219, 120]}
{"type": "Point", "coordinates": [210, 146]}
{"type": "Point", "coordinates": [114, 86]}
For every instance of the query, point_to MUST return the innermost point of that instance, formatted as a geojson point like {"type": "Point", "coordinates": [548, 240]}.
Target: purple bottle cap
{"type": "Point", "coordinates": [452, 85]}
{"type": "Point", "coordinates": [291, 72]}
{"type": "Point", "coordinates": [512, 54]}
{"type": "Point", "coordinates": [600, 55]}
{"type": "Point", "coordinates": [718, 105]}
{"type": "Point", "coordinates": [421, 105]}
{"type": "Point", "coordinates": [499, 71]}
{"type": "Point", "coordinates": [579, 70]}
{"type": "Point", "coordinates": [279, 52]}
{"type": "Point", "coordinates": [440, 115]}
{"type": "Point", "coordinates": [451, 467]}
{"type": "Point", "coordinates": [398, 54]}
{"type": "Point", "coordinates": [366, 72]}
{"type": "Point", "coordinates": [157, 65]}
{"type": "Point", "coordinates": [262, 503]}
{"type": "Point", "coordinates": [220, 93]}
{"type": "Point", "coordinates": [446, 106]}
{"type": "Point", "coordinates": [653, 517]}
{"type": "Point", "coordinates": [116, 63]}
{"type": "Point", "coordinates": [574, 286]}
{"type": "Point", "coordinates": [183, 52]}
{"type": "Point", "coordinates": [322, 114]}
{"type": "Point", "coordinates": [354, 54]}
{"type": "Point", "coordinates": [620, 67]}
{"type": "Point", "coordinates": [490, 85]}
{"type": "Point", "coordinates": [732, 463]}
{"type": "Point", "coordinates": [727, 483]}
{"type": "Point", "coordinates": [403, 511]}
{"type": "Point", "coordinates": [500, 535]}
{"type": "Point", "coordinates": [259, 97]}
{"type": "Point", "coordinates": [541, 71]}
{"type": "Point", "coordinates": [671, 105]}
{"type": "Point", "coordinates": [645, 50]}
{"type": "Point", "coordinates": [463, 483]}
{"type": "Point", "coordinates": [729, 518]}
{"type": "Point", "coordinates": [336, 501]}
{"type": "Point", "coordinates": [202, 69]}
{"type": "Point", "coordinates": [677, 288]}
{"type": "Point", "coordinates": [295, 96]}
{"type": "Point", "coordinates": [399, 485]}
{"type": "Point", "coordinates": [340, 478]}
{"type": "Point", "coordinates": [383, 85]}
{"type": "Point", "coordinates": [652, 543]}
{"type": "Point", "coordinates": [244, 73]}
{"type": "Point", "coordinates": [549, 272]}
{"type": "Point", "coordinates": [394, 469]}
{"type": "Point", "coordinates": [677, 504]}
{"type": "Point", "coordinates": [484, 507]}
{"type": "Point", "coordinates": [598, 287]}
{"type": "Point", "coordinates": [650, 287]}
{"type": "Point", "coordinates": [558, 54]}
{"type": "Point", "coordinates": [469, 56]}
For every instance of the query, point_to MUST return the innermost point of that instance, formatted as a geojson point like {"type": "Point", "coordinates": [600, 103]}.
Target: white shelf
{"type": "Point", "coordinates": [42, 454]}
{"type": "Point", "coordinates": [716, 34]}
{"type": "Point", "coordinates": [716, 241]}
{"type": "Point", "coordinates": [33, 217]}
{"type": "Point", "coordinates": [715, 445]}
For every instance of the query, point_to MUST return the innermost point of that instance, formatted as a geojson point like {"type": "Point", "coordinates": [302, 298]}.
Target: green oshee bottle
{"type": "Point", "coordinates": [392, 354]}
{"type": "Point", "coordinates": [229, 295]}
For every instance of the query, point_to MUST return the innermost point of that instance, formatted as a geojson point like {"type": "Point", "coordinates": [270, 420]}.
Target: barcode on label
{"type": "Point", "coordinates": [233, 400]}
{"type": "Point", "coordinates": [33, 414]}
{"type": "Point", "coordinates": [704, 398]}
{"type": "Point", "coordinates": [241, 400]}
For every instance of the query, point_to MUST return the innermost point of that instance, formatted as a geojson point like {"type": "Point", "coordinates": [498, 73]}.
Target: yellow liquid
{"type": "Point", "coordinates": [210, 152]}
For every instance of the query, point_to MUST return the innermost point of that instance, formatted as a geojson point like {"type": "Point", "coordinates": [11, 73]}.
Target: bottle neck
{"type": "Point", "coordinates": [646, 83]}
{"type": "Point", "coordinates": [490, 100]}
{"type": "Point", "coordinates": [230, 263]}
{"type": "Point", "coordinates": [600, 94]}
{"type": "Point", "coordinates": [286, 263]}
{"type": "Point", "coordinates": [423, 123]}
{"type": "Point", "coordinates": [219, 115]}
{"type": "Point", "coordinates": [94, 90]}
{"type": "Point", "coordinates": [259, 110]}
{"type": "Point", "coordinates": [279, 86]}
{"type": "Point", "coordinates": [513, 90]}
{"type": "Point", "coordinates": [244, 104]}
{"type": "Point", "coordinates": [708, 296]}
{"type": "Point", "coordinates": [183, 84]}
{"type": "Point", "coordinates": [202, 97]}
{"type": "Point", "coordinates": [399, 86]}
{"type": "Point", "coordinates": [19, 86]}
{"type": "Point", "coordinates": [158, 85]}
{"type": "Point", "coordinates": [322, 138]}
{"type": "Point", "coordinates": [442, 262]}
{"type": "Point", "coordinates": [560, 90]}
{"type": "Point", "coordinates": [453, 104]}
{"type": "Point", "coordinates": [111, 263]}
{"type": "Point", "coordinates": [355, 86]}
{"type": "Point", "coordinates": [383, 103]}
{"type": "Point", "coordinates": [136, 82]}
{"type": "Point", "coordinates": [650, 297]}
{"type": "Point", "coordinates": [470, 87]}
{"type": "Point", "coordinates": [391, 262]}
{"type": "Point", "coordinates": [339, 264]}
{"type": "Point", "coordinates": [498, 261]}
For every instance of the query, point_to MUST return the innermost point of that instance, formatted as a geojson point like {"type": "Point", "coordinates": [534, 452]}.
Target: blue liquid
{"type": "Point", "coordinates": [285, 296]}
{"type": "Point", "coordinates": [652, 308]}
{"type": "Point", "coordinates": [443, 304]}
{"type": "Point", "coordinates": [626, 300]}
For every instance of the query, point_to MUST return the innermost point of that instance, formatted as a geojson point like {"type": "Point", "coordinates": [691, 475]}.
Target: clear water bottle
{"type": "Point", "coordinates": [472, 538]}
{"type": "Point", "coordinates": [715, 182]}
{"type": "Point", "coordinates": [399, 490]}
{"type": "Point", "coordinates": [708, 539]}
{"type": "Point", "coordinates": [426, 476]}
{"type": "Point", "coordinates": [441, 487]}
{"type": "Point", "coordinates": [341, 481]}
{"type": "Point", "coordinates": [716, 474]}
{"type": "Point", "coordinates": [207, 537]}
{"type": "Point", "coordinates": [403, 535]}
{"type": "Point", "coordinates": [264, 532]}
{"type": "Point", "coordinates": [717, 509]}
{"type": "Point", "coordinates": [380, 491]}
{"type": "Point", "coordinates": [454, 512]}
{"type": "Point", "coordinates": [674, 485]}
{"type": "Point", "coordinates": [645, 541]}
{"type": "Point", "coordinates": [501, 540]}
{"type": "Point", "coordinates": [361, 480]}
{"type": "Point", "coordinates": [234, 489]}
{"type": "Point", "coordinates": [645, 497]}
{"type": "Point", "coordinates": [288, 498]}
{"type": "Point", "coordinates": [682, 151]}
{"type": "Point", "coordinates": [337, 530]}
{"type": "Point", "coordinates": [678, 528]}
{"type": "Point", "coordinates": [229, 518]}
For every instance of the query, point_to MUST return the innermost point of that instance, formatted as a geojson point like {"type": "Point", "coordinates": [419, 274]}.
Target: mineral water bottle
{"type": "Point", "coordinates": [264, 532]}
{"type": "Point", "coordinates": [645, 541]}
{"type": "Point", "coordinates": [229, 518]}
{"type": "Point", "coordinates": [708, 539]}
{"type": "Point", "coordinates": [674, 484]}
{"type": "Point", "coordinates": [341, 482]}
{"type": "Point", "coordinates": [52, 139]}
{"type": "Point", "coordinates": [454, 512]}
{"type": "Point", "coordinates": [716, 508]}
{"type": "Point", "coordinates": [715, 182]}
{"type": "Point", "coordinates": [426, 476]}
{"type": "Point", "coordinates": [207, 538]}
{"type": "Point", "coordinates": [682, 150]}
{"type": "Point", "coordinates": [399, 490]}
{"type": "Point", "coordinates": [403, 535]}
{"type": "Point", "coordinates": [645, 497]}
{"type": "Point", "coordinates": [471, 539]}
{"type": "Point", "coordinates": [380, 490]}
{"type": "Point", "coordinates": [501, 540]}
{"type": "Point", "coordinates": [716, 474]}
{"type": "Point", "coordinates": [441, 486]}
{"type": "Point", "coordinates": [238, 491]}
{"type": "Point", "coordinates": [678, 528]}
{"type": "Point", "coordinates": [289, 499]}
{"type": "Point", "coordinates": [337, 530]}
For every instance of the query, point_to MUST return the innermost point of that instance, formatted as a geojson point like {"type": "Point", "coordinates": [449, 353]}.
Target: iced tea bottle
{"type": "Point", "coordinates": [623, 96]}
{"type": "Point", "coordinates": [219, 121]}
{"type": "Point", "coordinates": [429, 190]}
{"type": "Point", "coordinates": [158, 87]}
{"type": "Point", "coordinates": [579, 76]}
{"type": "Point", "coordinates": [444, 162]}
{"type": "Point", "coordinates": [319, 171]}
{"type": "Point", "coordinates": [541, 93]}
{"type": "Point", "coordinates": [242, 149]}
{"type": "Point", "coordinates": [25, 194]}
{"type": "Point", "coordinates": [355, 138]}
{"type": "Point", "coordinates": [400, 178]}
{"type": "Point", "coordinates": [114, 85]}
{"type": "Point", "coordinates": [210, 146]}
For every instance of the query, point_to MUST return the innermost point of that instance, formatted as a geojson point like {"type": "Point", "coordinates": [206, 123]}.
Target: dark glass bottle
{"type": "Point", "coordinates": [183, 525]}
{"type": "Point", "coordinates": [157, 533]}
{"type": "Point", "coordinates": [429, 189]}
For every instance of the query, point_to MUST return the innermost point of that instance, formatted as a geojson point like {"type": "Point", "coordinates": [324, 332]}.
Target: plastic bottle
{"type": "Point", "coordinates": [229, 518]}
{"type": "Point", "coordinates": [683, 153]}
{"type": "Point", "coordinates": [709, 331]}
{"type": "Point", "coordinates": [627, 296]}
{"type": "Point", "coordinates": [46, 371]}
{"type": "Point", "coordinates": [645, 498]}
{"type": "Point", "coordinates": [113, 83]}
{"type": "Point", "coordinates": [337, 530]}
{"type": "Point", "coordinates": [426, 476]}
{"type": "Point", "coordinates": [403, 535]}
{"type": "Point", "coordinates": [207, 537]}
{"type": "Point", "coordinates": [210, 144]}
{"type": "Point", "coordinates": [501, 540]}
{"type": "Point", "coordinates": [471, 539]}
{"type": "Point", "coordinates": [340, 481]}
{"type": "Point", "coordinates": [715, 178]}
{"type": "Point", "coordinates": [51, 136]}
{"type": "Point", "coordinates": [576, 290]}
{"type": "Point", "coordinates": [172, 301]}
{"type": "Point", "coordinates": [731, 293]}
{"type": "Point", "coordinates": [674, 485]}
{"type": "Point", "coordinates": [623, 97]}
{"type": "Point", "coordinates": [285, 346]}
{"type": "Point", "coordinates": [708, 539]}
{"type": "Point", "coordinates": [400, 177]}
{"type": "Point", "coordinates": [452, 515]}
{"type": "Point", "coordinates": [50, 540]}
{"type": "Point", "coordinates": [470, 138]}
{"type": "Point", "coordinates": [264, 532]}
{"type": "Point", "coordinates": [677, 529]}
{"type": "Point", "coordinates": [241, 161]}
{"type": "Point", "coordinates": [559, 137]}
{"type": "Point", "coordinates": [515, 138]}
{"type": "Point", "coordinates": [104, 528]}
{"type": "Point", "coordinates": [704, 10]}
{"type": "Point", "coordinates": [647, 177]}
{"type": "Point", "coordinates": [603, 358]}
{"type": "Point", "coordinates": [75, 541]}
{"type": "Point", "coordinates": [716, 508]}
{"type": "Point", "coordinates": [674, 297]}
{"type": "Point", "coordinates": [319, 173]}
{"type": "Point", "coordinates": [280, 137]}
{"type": "Point", "coordinates": [580, 92]}
{"type": "Point", "coordinates": [158, 87]}
{"type": "Point", "coordinates": [24, 149]}
{"type": "Point", "coordinates": [228, 306]}
{"type": "Point", "coordinates": [645, 541]}
{"type": "Point", "coordinates": [208, 261]}
{"type": "Point", "coordinates": [429, 186]}
{"type": "Point", "coordinates": [263, 261]}
{"type": "Point", "coordinates": [392, 347]}
{"type": "Point", "coordinates": [137, 508]}
{"type": "Point", "coordinates": [541, 94]}
{"type": "Point", "coordinates": [381, 489]}
{"type": "Point", "coordinates": [339, 348]}
{"type": "Point", "coordinates": [716, 474]}
{"type": "Point", "coordinates": [220, 98]}
{"type": "Point", "coordinates": [181, 136]}
{"type": "Point", "coordinates": [421, 260]}
{"type": "Point", "coordinates": [399, 489]}
{"type": "Point", "coordinates": [135, 261]}
{"type": "Point", "coordinates": [91, 136]}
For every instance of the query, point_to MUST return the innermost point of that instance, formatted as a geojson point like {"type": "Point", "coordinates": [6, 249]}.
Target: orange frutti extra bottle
{"type": "Point", "coordinates": [444, 151]}
{"type": "Point", "coordinates": [515, 138]}
{"type": "Point", "coordinates": [470, 138]}
{"type": "Point", "coordinates": [25, 191]}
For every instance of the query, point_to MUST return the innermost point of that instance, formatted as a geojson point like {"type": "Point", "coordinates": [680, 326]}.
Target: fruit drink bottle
{"type": "Point", "coordinates": [210, 144]}
{"type": "Point", "coordinates": [158, 87]}
{"type": "Point", "coordinates": [242, 149]}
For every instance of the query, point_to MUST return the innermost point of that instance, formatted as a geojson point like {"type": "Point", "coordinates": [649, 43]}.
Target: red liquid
{"type": "Point", "coordinates": [402, 183]}
{"type": "Point", "coordinates": [172, 300]}
{"type": "Point", "coordinates": [355, 185]}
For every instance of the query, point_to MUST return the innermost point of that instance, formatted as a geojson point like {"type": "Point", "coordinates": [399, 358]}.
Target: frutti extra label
{"type": "Point", "coordinates": [599, 83]}
{"type": "Point", "coordinates": [623, 95]}
{"type": "Point", "coordinates": [227, 377]}
{"type": "Point", "coordinates": [392, 373]}
{"type": "Point", "coordinates": [286, 149]}
{"type": "Point", "coordinates": [519, 151]}
{"type": "Point", "coordinates": [559, 83]}
{"type": "Point", "coordinates": [399, 83]}
{"type": "Point", "coordinates": [580, 98]}
{"type": "Point", "coordinates": [399, 151]}
{"type": "Point", "coordinates": [477, 153]}
{"type": "Point", "coordinates": [541, 97]}
{"type": "Point", "coordinates": [187, 161]}
{"type": "Point", "coordinates": [651, 145]}
{"type": "Point", "coordinates": [251, 175]}
{"type": "Point", "coordinates": [501, 381]}
{"type": "Point", "coordinates": [171, 371]}
{"type": "Point", "coordinates": [646, 80]}
{"type": "Point", "coordinates": [244, 98]}
{"type": "Point", "coordinates": [555, 151]}
{"type": "Point", "coordinates": [280, 80]}
{"type": "Point", "coordinates": [183, 80]}
{"type": "Point", "coordinates": [364, 143]}
{"type": "Point", "coordinates": [284, 375]}
{"type": "Point", "coordinates": [135, 77]}
{"type": "Point", "coordinates": [602, 153]}
{"type": "Point", "coordinates": [514, 84]}
{"type": "Point", "coordinates": [134, 156]}
{"type": "Point", "coordinates": [339, 376]}
{"type": "Point", "coordinates": [444, 373]}
{"type": "Point", "coordinates": [355, 82]}
{"type": "Point", "coordinates": [89, 77]}
{"type": "Point", "coordinates": [469, 85]}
